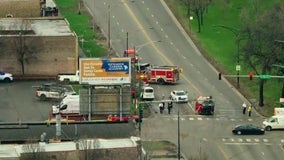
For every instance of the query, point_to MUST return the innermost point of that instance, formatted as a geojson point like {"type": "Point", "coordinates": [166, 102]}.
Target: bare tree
{"type": "Point", "coordinates": [260, 51]}
{"type": "Point", "coordinates": [33, 151]}
{"type": "Point", "coordinates": [88, 148]}
{"type": "Point", "coordinates": [2, 43]}
{"type": "Point", "coordinates": [26, 45]}
{"type": "Point", "coordinates": [198, 7]}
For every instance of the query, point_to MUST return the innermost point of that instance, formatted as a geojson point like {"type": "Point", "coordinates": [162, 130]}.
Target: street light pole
{"type": "Point", "coordinates": [139, 47]}
{"type": "Point", "coordinates": [238, 67]}
{"type": "Point", "coordinates": [280, 66]}
{"type": "Point", "coordinates": [126, 40]}
{"type": "Point", "coordinates": [236, 32]}
{"type": "Point", "coordinates": [178, 137]}
{"type": "Point", "coordinates": [108, 26]}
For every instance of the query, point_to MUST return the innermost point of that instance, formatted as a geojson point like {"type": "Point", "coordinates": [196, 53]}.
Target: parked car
{"type": "Point", "coordinates": [124, 118]}
{"type": "Point", "coordinates": [179, 96]}
{"type": "Point", "coordinates": [52, 91]}
{"type": "Point", "coordinates": [247, 129]}
{"type": "Point", "coordinates": [6, 77]}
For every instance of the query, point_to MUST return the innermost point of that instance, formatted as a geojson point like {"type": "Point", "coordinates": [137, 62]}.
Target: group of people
{"type": "Point", "coordinates": [162, 107]}
{"type": "Point", "coordinates": [247, 107]}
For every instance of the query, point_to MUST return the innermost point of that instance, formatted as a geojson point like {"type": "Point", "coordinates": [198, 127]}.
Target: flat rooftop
{"type": "Point", "coordinates": [37, 26]}
{"type": "Point", "coordinates": [15, 150]}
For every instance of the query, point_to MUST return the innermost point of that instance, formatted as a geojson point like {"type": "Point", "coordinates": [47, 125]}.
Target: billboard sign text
{"type": "Point", "coordinates": [96, 71]}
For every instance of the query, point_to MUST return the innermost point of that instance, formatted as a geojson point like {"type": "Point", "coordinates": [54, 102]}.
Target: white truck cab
{"type": "Point", "coordinates": [69, 105]}
{"type": "Point", "coordinates": [274, 122]}
{"type": "Point", "coordinates": [69, 78]}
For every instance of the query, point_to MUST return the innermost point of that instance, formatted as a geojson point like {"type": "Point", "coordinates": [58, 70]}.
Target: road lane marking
{"type": "Point", "coordinates": [241, 143]}
{"type": "Point", "coordinates": [147, 36]}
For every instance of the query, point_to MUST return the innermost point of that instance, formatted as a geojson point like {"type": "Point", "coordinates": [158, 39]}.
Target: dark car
{"type": "Point", "coordinates": [247, 129]}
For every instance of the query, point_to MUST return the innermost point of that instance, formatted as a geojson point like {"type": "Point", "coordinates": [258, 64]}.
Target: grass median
{"type": "Point", "coordinates": [219, 45]}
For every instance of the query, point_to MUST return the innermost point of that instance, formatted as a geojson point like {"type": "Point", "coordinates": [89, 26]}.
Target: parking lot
{"type": "Point", "coordinates": [19, 103]}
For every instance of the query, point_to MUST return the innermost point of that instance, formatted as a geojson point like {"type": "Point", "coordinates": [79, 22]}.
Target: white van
{"type": "Point", "coordinates": [69, 105]}
{"type": "Point", "coordinates": [147, 93]}
{"type": "Point", "coordinates": [274, 122]}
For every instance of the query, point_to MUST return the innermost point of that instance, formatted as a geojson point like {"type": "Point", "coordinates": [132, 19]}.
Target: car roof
{"type": "Point", "coordinates": [178, 91]}
{"type": "Point", "coordinates": [246, 125]}
{"type": "Point", "coordinates": [49, 84]}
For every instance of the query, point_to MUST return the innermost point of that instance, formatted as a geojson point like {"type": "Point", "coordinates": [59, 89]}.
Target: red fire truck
{"type": "Point", "coordinates": [162, 74]}
{"type": "Point", "coordinates": [204, 105]}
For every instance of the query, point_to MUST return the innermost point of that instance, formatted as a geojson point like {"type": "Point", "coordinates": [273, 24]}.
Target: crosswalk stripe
{"type": "Point", "coordinates": [207, 119]}
{"type": "Point", "coordinates": [248, 140]}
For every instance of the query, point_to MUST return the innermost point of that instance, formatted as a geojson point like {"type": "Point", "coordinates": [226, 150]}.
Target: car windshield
{"type": "Point", "coordinates": [271, 120]}
{"type": "Point", "coordinates": [2, 73]}
{"type": "Point", "coordinates": [149, 90]}
{"type": "Point", "coordinates": [180, 93]}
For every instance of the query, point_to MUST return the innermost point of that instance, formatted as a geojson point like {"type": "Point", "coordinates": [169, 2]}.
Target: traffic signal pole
{"type": "Point", "coordinates": [265, 76]}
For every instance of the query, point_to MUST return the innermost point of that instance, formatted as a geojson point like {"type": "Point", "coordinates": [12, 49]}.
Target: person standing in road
{"type": "Point", "coordinates": [244, 106]}
{"type": "Point", "coordinates": [249, 110]}
{"type": "Point", "coordinates": [161, 107]}
{"type": "Point", "coordinates": [170, 106]}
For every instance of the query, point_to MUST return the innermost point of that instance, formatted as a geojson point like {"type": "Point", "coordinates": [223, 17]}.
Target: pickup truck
{"type": "Point", "coordinates": [6, 77]}
{"type": "Point", "coordinates": [52, 91]}
{"type": "Point", "coordinates": [69, 78]}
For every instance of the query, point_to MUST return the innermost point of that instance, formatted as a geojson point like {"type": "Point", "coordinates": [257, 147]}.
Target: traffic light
{"type": "Point", "coordinates": [251, 75]}
{"type": "Point", "coordinates": [220, 76]}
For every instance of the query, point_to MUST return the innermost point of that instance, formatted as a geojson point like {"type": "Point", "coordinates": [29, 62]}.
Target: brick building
{"type": "Point", "coordinates": [20, 8]}
{"type": "Point", "coordinates": [48, 44]}
{"type": "Point", "coordinates": [27, 8]}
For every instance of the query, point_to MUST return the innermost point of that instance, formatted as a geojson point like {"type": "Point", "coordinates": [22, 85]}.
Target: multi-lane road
{"type": "Point", "coordinates": [149, 26]}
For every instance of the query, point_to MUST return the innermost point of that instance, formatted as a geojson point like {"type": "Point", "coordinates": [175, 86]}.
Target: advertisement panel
{"type": "Point", "coordinates": [97, 71]}
{"type": "Point", "coordinates": [278, 111]}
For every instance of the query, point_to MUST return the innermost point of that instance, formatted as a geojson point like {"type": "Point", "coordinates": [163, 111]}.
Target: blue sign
{"type": "Point", "coordinates": [115, 66]}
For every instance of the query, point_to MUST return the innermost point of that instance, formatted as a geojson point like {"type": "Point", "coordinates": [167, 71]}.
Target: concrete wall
{"type": "Point", "coordinates": [20, 8]}
{"type": "Point", "coordinates": [126, 153]}
{"type": "Point", "coordinates": [49, 55]}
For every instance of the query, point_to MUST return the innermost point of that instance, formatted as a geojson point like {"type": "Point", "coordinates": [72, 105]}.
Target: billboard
{"type": "Point", "coordinates": [98, 71]}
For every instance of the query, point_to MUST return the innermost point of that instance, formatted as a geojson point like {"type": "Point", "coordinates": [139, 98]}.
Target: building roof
{"type": "Point", "coordinates": [50, 3]}
{"type": "Point", "coordinates": [14, 150]}
{"type": "Point", "coordinates": [39, 26]}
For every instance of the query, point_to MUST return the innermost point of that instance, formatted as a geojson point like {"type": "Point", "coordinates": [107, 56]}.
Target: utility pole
{"type": "Point", "coordinates": [236, 32]}
{"type": "Point", "coordinates": [127, 42]}
{"type": "Point", "coordinates": [178, 137]}
{"type": "Point", "coordinates": [108, 26]}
